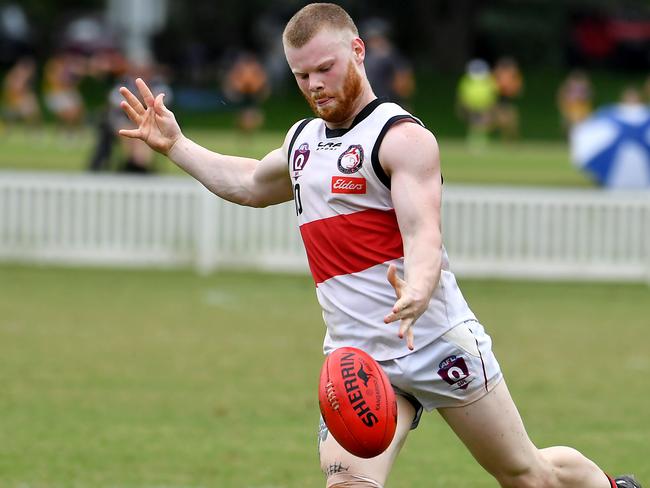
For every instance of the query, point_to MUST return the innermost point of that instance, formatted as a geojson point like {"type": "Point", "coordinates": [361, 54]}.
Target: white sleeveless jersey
{"type": "Point", "coordinates": [349, 228]}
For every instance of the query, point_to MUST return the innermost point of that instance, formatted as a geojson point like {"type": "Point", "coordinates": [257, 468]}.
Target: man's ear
{"type": "Point", "coordinates": [359, 49]}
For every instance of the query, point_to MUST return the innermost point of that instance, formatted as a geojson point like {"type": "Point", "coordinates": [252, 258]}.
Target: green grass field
{"type": "Point", "coordinates": [165, 379]}
{"type": "Point", "coordinates": [521, 163]}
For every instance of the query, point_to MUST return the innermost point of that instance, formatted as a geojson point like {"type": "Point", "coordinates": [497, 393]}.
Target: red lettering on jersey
{"type": "Point", "coordinates": [348, 184]}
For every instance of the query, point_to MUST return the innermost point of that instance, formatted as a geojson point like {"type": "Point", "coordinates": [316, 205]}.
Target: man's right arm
{"type": "Point", "coordinates": [240, 180]}
{"type": "Point", "coordinates": [244, 181]}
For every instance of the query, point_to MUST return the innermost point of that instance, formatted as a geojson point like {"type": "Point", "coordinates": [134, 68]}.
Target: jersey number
{"type": "Point", "coordinates": [296, 198]}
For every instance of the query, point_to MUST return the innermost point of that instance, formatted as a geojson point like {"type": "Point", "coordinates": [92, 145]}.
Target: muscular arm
{"type": "Point", "coordinates": [409, 155]}
{"type": "Point", "coordinates": [240, 180]}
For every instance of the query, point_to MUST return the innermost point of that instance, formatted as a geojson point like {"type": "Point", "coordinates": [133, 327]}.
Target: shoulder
{"type": "Point", "coordinates": [408, 143]}
{"type": "Point", "coordinates": [293, 133]}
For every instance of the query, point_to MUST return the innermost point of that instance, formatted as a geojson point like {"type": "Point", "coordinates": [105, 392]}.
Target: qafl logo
{"type": "Point", "coordinates": [300, 157]}
{"type": "Point", "coordinates": [351, 160]}
{"type": "Point", "coordinates": [455, 372]}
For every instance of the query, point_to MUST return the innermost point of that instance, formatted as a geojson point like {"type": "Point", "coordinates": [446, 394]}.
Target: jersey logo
{"type": "Point", "coordinates": [454, 371]}
{"type": "Point", "coordinates": [348, 184]}
{"type": "Point", "coordinates": [300, 157]}
{"type": "Point", "coordinates": [328, 146]}
{"type": "Point", "coordinates": [351, 160]}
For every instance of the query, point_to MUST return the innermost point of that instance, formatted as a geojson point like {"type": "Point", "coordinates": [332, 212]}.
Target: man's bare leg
{"type": "Point", "coordinates": [344, 470]}
{"type": "Point", "coordinates": [493, 431]}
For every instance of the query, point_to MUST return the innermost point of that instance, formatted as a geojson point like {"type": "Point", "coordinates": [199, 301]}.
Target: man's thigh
{"type": "Point", "coordinates": [344, 469]}
{"type": "Point", "coordinates": [493, 431]}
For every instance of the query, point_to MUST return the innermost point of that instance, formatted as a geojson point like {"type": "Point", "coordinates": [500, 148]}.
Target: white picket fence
{"type": "Point", "coordinates": [173, 221]}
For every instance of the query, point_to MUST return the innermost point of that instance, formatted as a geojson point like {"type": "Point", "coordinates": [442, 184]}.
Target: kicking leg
{"type": "Point", "coordinates": [344, 470]}
{"type": "Point", "coordinates": [493, 431]}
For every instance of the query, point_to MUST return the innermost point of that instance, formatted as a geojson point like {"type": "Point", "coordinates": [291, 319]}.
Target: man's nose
{"type": "Point", "coordinates": [315, 83]}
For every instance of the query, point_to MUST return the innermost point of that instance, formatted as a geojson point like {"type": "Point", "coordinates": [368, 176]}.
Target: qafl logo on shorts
{"type": "Point", "coordinates": [300, 157]}
{"type": "Point", "coordinates": [454, 371]}
{"type": "Point", "coordinates": [351, 160]}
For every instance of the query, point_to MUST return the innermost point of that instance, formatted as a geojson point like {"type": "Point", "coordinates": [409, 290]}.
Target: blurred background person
{"type": "Point", "coordinates": [476, 98]}
{"type": "Point", "coordinates": [390, 74]}
{"type": "Point", "coordinates": [510, 84]}
{"type": "Point", "coordinates": [632, 98]}
{"type": "Point", "coordinates": [575, 99]}
{"type": "Point", "coordinates": [112, 68]}
{"type": "Point", "coordinates": [61, 77]}
{"type": "Point", "coordinates": [19, 101]}
{"type": "Point", "coordinates": [267, 37]}
{"type": "Point", "coordinates": [246, 86]}
{"type": "Point", "coordinates": [646, 90]}
{"type": "Point", "coordinates": [136, 156]}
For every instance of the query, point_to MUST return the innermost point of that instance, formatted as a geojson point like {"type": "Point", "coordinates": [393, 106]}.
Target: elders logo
{"type": "Point", "coordinates": [454, 371]}
{"type": "Point", "coordinates": [348, 184]}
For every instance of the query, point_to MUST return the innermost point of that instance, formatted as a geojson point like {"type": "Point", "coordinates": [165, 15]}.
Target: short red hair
{"type": "Point", "coordinates": [309, 20]}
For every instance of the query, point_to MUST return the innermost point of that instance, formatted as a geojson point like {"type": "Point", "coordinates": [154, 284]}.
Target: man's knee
{"type": "Point", "coordinates": [344, 480]}
{"type": "Point", "coordinates": [525, 479]}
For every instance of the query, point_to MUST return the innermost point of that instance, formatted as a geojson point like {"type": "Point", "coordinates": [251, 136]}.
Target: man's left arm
{"type": "Point", "coordinates": [409, 155]}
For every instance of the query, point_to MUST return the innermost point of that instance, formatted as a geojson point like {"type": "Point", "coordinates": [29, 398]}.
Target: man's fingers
{"type": "Point", "coordinates": [396, 282]}
{"type": "Point", "coordinates": [392, 275]}
{"type": "Point", "coordinates": [402, 310]}
{"type": "Point", "coordinates": [132, 133]}
{"type": "Point", "coordinates": [147, 96]}
{"type": "Point", "coordinates": [410, 339]}
{"type": "Point", "coordinates": [401, 306]}
{"type": "Point", "coordinates": [131, 113]}
{"type": "Point", "coordinates": [399, 311]}
{"type": "Point", "coordinates": [132, 100]}
{"type": "Point", "coordinates": [405, 329]}
{"type": "Point", "coordinates": [159, 105]}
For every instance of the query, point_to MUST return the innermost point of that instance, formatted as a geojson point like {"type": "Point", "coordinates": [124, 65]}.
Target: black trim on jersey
{"type": "Point", "coordinates": [376, 165]}
{"type": "Point", "coordinates": [299, 129]}
{"type": "Point", "coordinates": [365, 111]}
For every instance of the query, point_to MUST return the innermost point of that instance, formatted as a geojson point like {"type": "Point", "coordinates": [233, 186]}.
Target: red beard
{"type": "Point", "coordinates": [341, 107]}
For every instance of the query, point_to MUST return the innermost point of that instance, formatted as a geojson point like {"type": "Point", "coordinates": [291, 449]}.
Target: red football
{"type": "Point", "coordinates": [357, 402]}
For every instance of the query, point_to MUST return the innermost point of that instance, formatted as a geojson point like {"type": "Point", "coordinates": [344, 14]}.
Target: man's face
{"type": "Point", "coordinates": [327, 74]}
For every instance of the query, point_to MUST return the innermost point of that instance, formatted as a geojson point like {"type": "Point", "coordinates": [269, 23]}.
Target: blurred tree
{"type": "Point", "coordinates": [437, 34]}
{"type": "Point", "coordinates": [448, 31]}
{"type": "Point", "coordinates": [46, 18]}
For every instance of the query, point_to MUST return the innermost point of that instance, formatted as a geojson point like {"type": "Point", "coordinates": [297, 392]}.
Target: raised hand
{"type": "Point", "coordinates": [156, 125]}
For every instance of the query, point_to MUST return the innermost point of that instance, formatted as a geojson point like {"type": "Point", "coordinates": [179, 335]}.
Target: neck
{"type": "Point", "coordinates": [365, 97]}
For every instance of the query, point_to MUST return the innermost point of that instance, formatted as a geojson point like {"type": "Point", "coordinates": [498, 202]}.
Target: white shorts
{"type": "Point", "coordinates": [452, 371]}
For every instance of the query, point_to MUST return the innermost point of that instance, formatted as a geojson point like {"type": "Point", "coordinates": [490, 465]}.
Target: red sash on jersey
{"type": "Point", "coordinates": [350, 243]}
